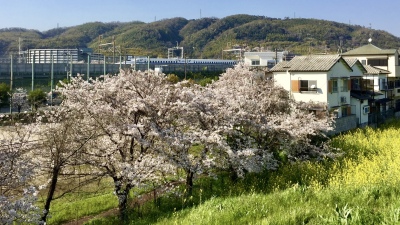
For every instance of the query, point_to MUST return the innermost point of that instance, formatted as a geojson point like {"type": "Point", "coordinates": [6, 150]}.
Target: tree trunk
{"type": "Point", "coordinates": [189, 182]}
{"type": "Point", "coordinates": [233, 174]}
{"type": "Point", "coordinates": [50, 193]}
{"type": "Point", "coordinates": [122, 194]}
{"type": "Point", "coordinates": [122, 204]}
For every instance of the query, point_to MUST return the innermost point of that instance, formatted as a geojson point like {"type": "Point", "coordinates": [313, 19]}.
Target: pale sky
{"type": "Point", "coordinates": [43, 15]}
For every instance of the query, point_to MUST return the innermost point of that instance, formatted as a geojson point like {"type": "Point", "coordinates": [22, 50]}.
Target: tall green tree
{"type": "Point", "coordinates": [4, 94]}
{"type": "Point", "coordinates": [37, 98]}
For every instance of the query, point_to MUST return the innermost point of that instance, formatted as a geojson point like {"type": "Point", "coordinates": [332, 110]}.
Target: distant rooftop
{"type": "Point", "coordinates": [375, 70]}
{"type": "Point", "coordinates": [369, 49]}
{"type": "Point", "coordinates": [309, 63]}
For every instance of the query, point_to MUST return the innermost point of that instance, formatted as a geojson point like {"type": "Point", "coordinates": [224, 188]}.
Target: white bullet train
{"type": "Point", "coordinates": [165, 61]}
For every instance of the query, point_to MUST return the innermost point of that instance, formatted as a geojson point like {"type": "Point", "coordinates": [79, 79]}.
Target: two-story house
{"type": "Point", "coordinates": [320, 78]}
{"type": "Point", "coordinates": [369, 91]}
{"type": "Point", "coordinates": [358, 97]}
{"type": "Point", "coordinates": [349, 88]}
{"type": "Point", "coordinates": [382, 60]}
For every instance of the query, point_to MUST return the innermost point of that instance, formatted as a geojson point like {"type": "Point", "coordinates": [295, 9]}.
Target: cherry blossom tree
{"type": "Point", "coordinates": [62, 140]}
{"type": "Point", "coordinates": [18, 195]}
{"type": "Point", "coordinates": [261, 122]}
{"type": "Point", "coordinates": [190, 137]}
{"type": "Point", "coordinates": [19, 99]}
{"type": "Point", "coordinates": [122, 115]}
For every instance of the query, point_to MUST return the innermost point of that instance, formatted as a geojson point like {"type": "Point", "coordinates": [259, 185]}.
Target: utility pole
{"type": "Point", "coordinates": [11, 82]}
{"type": "Point", "coordinates": [88, 67]}
{"type": "Point", "coordinates": [52, 80]}
{"type": "Point", "coordinates": [185, 66]}
{"type": "Point", "coordinates": [70, 65]}
{"type": "Point", "coordinates": [33, 71]}
{"type": "Point", "coordinates": [113, 43]}
{"type": "Point", "coordinates": [104, 65]}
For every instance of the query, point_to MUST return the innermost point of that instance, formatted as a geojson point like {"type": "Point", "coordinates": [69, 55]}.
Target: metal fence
{"type": "Point", "coordinates": [34, 76]}
{"type": "Point", "coordinates": [381, 117]}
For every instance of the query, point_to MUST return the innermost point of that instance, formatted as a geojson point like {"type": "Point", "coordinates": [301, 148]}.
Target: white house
{"type": "Point", "coordinates": [265, 59]}
{"type": "Point", "coordinates": [358, 98]}
{"type": "Point", "coordinates": [384, 60]}
{"type": "Point", "coordinates": [318, 78]}
{"type": "Point", "coordinates": [348, 87]}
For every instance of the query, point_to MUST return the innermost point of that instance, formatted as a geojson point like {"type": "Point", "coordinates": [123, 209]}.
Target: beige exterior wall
{"type": "Point", "coordinates": [393, 64]}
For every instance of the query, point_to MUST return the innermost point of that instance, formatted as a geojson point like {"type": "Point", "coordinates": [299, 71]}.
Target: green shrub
{"type": "Point", "coordinates": [37, 98]}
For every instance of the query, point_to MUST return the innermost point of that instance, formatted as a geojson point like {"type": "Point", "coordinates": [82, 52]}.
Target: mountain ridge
{"type": "Point", "coordinates": [205, 37]}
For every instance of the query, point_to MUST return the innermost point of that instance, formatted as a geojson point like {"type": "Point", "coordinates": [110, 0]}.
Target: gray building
{"type": "Point", "coordinates": [73, 55]}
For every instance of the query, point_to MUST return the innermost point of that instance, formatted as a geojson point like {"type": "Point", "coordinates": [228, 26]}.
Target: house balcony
{"type": "Point", "coordinates": [308, 89]}
{"type": "Point", "coordinates": [357, 87]}
{"type": "Point", "coordinates": [386, 86]}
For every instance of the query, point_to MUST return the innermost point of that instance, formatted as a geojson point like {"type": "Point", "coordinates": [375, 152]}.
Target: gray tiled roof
{"type": "Point", "coordinates": [351, 61]}
{"type": "Point", "coordinates": [309, 63]}
{"type": "Point", "coordinates": [370, 49]}
{"type": "Point", "coordinates": [375, 70]}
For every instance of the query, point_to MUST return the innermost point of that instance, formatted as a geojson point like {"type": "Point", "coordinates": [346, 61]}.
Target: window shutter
{"type": "Point", "coordinates": [349, 110]}
{"type": "Point", "coordinates": [329, 86]}
{"type": "Point", "coordinates": [349, 84]}
{"type": "Point", "coordinates": [295, 86]}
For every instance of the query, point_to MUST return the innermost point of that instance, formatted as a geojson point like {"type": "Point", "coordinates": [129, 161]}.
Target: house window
{"type": "Point", "coordinates": [368, 84]}
{"type": "Point", "coordinates": [345, 111]}
{"type": "Point", "coordinates": [344, 87]}
{"type": "Point", "coordinates": [355, 84]}
{"type": "Point", "coordinates": [308, 85]}
{"type": "Point", "coordinates": [255, 62]}
{"type": "Point", "coordinates": [334, 86]}
{"type": "Point", "coordinates": [383, 85]}
{"type": "Point", "coordinates": [378, 62]}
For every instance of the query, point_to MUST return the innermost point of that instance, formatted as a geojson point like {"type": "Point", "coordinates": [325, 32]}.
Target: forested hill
{"type": "Point", "coordinates": [205, 37]}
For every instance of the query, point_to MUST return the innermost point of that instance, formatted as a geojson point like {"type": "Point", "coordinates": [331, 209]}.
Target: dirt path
{"type": "Point", "coordinates": [155, 193]}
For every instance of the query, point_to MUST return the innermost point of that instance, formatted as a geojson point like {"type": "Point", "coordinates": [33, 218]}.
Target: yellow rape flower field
{"type": "Point", "coordinates": [373, 158]}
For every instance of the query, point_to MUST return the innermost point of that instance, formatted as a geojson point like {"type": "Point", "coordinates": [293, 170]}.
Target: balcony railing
{"type": "Point", "coordinates": [308, 89]}
{"type": "Point", "coordinates": [396, 83]}
{"type": "Point", "coordinates": [355, 87]}
{"type": "Point", "coordinates": [389, 85]}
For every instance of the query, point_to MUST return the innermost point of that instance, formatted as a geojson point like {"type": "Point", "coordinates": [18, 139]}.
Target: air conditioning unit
{"type": "Point", "coordinates": [343, 99]}
{"type": "Point", "coordinates": [366, 109]}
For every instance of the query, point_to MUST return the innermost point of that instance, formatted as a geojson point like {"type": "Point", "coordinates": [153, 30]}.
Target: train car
{"type": "Point", "coordinates": [165, 61]}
